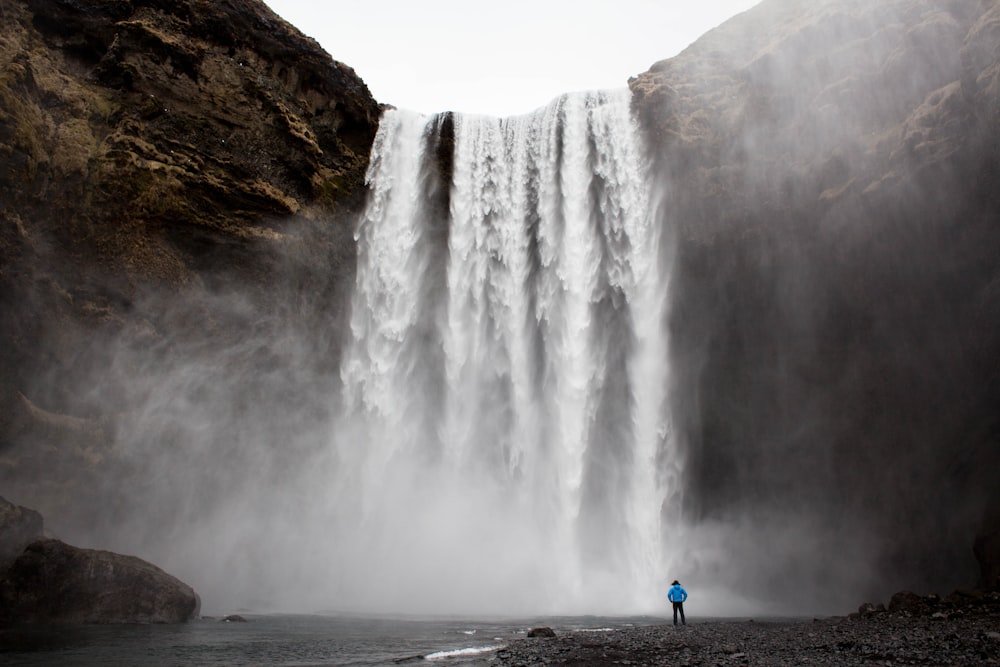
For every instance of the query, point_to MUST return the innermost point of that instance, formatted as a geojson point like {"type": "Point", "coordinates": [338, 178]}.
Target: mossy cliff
{"type": "Point", "coordinates": [160, 147]}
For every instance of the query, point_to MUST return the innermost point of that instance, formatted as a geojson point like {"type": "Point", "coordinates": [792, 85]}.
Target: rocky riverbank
{"type": "Point", "coordinates": [958, 630]}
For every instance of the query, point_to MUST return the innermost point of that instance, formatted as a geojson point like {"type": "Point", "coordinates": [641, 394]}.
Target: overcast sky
{"type": "Point", "coordinates": [502, 57]}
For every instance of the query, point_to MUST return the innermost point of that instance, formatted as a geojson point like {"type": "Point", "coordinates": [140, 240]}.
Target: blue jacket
{"type": "Point", "coordinates": [677, 593]}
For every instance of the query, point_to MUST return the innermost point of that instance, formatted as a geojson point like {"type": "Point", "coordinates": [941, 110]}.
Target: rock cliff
{"type": "Point", "coordinates": [832, 172]}
{"type": "Point", "coordinates": [158, 155]}
{"type": "Point", "coordinates": [147, 144]}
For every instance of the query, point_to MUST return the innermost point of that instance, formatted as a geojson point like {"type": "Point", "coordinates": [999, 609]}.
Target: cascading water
{"type": "Point", "coordinates": [504, 421]}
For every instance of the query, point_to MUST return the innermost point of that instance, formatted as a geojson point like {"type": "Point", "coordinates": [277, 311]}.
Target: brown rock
{"type": "Point", "coordinates": [139, 137]}
{"type": "Point", "coordinates": [53, 582]}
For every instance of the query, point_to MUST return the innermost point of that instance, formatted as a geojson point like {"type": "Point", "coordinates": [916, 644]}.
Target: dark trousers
{"type": "Point", "coordinates": [679, 607]}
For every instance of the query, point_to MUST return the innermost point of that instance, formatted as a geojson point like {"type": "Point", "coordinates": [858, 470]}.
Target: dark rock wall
{"type": "Point", "coordinates": [158, 158]}
{"type": "Point", "coordinates": [832, 175]}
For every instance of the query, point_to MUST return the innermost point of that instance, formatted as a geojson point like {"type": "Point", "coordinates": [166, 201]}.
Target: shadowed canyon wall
{"type": "Point", "coordinates": [831, 175]}
{"type": "Point", "coordinates": [179, 186]}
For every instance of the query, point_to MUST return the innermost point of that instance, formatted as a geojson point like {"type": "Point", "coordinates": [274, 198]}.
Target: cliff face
{"type": "Point", "coordinates": [154, 155]}
{"type": "Point", "coordinates": [832, 171]}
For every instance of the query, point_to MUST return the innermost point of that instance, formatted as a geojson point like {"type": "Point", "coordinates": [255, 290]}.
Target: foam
{"type": "Point", "coordinates": [462, 652]}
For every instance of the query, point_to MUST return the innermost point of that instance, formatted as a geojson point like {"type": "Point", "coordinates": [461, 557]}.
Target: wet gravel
{"type": "Point", "coordinates": [931, 636]}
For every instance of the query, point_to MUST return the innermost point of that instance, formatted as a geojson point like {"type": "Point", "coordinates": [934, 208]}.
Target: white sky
{"type": "Point", "coordinates": [502, 57]}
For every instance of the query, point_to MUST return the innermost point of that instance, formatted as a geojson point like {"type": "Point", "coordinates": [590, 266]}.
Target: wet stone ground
{"type": "Point", "coordinates": [942, 636]}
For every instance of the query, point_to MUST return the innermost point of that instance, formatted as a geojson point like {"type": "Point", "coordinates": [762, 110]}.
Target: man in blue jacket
{"type": "Point", "coordinates": [677, 596]}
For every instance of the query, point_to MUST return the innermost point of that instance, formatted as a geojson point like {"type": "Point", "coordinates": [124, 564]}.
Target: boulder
{"type": "Point", "coordinates": [53, 582]}
{"type": "Point", "coordinates": [19, 527]}
{"type": "Point", "coordinates": [907, 602]}
{"type": "Point", "coordinates": [541, 632]}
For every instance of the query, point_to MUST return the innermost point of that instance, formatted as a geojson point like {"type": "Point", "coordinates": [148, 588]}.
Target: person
{"type": "Point", "coordinates": [677, 596]}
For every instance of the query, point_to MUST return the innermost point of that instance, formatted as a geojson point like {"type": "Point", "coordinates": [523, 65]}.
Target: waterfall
{"type": "Point", "coordinates": [504, 430]}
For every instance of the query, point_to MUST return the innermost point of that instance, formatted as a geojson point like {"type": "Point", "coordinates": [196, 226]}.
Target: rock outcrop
{"type": "Point", "coordinates": [53, 582]}
{"type": "Point", "coordinates": [831, 171]}
{"type": "Point", "coordinates": [46, 581]}
{"type": "Point", "coordinates": [19, 527]}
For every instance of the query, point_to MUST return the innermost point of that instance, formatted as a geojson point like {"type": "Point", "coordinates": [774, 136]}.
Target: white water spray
{"type": "Point", "coordinates": [504, 386]}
